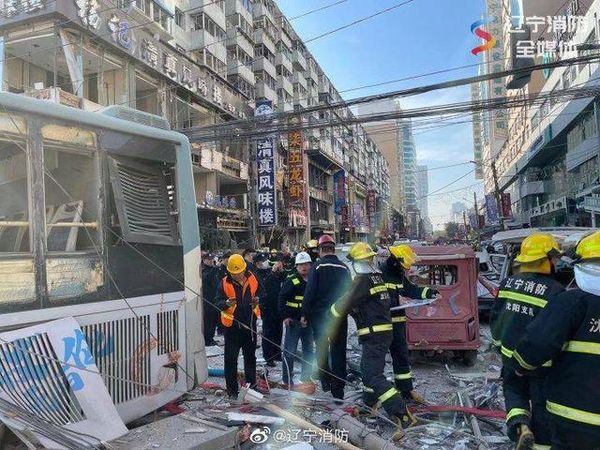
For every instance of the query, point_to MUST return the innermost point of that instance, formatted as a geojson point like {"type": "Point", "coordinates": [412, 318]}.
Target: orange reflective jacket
{"type": "Point", "coordinates": [227, 315]}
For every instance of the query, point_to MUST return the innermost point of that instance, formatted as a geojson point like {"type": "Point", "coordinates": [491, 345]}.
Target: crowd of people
{"type": "Point", "coordinates": [549, 338]}
{"type": "Point", "coordinates": [304, 300]}
{"type": "Point", "coordinates": [548, 335]}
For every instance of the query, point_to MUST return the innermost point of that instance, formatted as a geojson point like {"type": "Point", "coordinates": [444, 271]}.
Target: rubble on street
{"type": "Point", "coordinates": [451, 389]}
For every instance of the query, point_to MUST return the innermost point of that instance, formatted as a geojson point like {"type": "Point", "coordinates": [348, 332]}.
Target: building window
{"type": "Point", "coordinates": [179, 17]}
{"type": "Point", "coordinates": [203, 22]}
{"type": "Point", "coordinates": [213, 62]}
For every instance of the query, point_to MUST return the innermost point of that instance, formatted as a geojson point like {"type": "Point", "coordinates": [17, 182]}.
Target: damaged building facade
{"type": "Point", "coordinates": [199, 63]}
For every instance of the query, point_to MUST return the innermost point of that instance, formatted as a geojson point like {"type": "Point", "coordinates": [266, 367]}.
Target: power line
{"type": "Point", "coordinates": [356, 22]}
{"type": "Point", "coordinates": [281, 117]}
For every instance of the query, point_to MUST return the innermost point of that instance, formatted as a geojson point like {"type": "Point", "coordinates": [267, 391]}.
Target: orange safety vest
{"type": "Point", "coordinates": [227, 315]}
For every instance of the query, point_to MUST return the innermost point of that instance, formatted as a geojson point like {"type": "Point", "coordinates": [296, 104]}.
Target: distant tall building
{"type": "Point", "coordinates": [387, 137]}
{"type": "Point", "coordinates": [422, 197]}
{"type": "Point", "coordinates": [409, 165]}
{"type": "Point", "coordinates": [457, 211]}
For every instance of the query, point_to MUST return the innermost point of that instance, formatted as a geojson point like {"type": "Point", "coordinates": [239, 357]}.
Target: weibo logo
{"type": "Point", "coordinates": [490, 41]}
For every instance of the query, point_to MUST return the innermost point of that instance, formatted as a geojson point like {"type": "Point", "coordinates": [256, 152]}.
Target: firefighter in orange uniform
{"type": "Point", "coordinates": [237, 298]}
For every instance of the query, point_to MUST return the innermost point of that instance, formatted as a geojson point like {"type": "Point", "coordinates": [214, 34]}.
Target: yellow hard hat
{"type": "Point", "coordinates": [405, 254]}
{"type": "Point", "coordinates": [313, 243]}
{"type": "Point", "coordinates": [537, 246]}
{"type": "Point", "coordinates": [236, 264]}
{"type": "Point", "coordinates": [589, 247]}
{"type": "Point", "coordinates": [360, 250]}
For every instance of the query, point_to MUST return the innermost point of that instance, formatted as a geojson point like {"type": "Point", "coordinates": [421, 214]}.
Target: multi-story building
{"type": "Point", "coordinates": [549, 164]}
{"type": "Point", "coordinates": [480, 129]}
{"type": "Point", "coordinates": [387, 136]}
{"type": "Point", "coordinates": [423, 198]}
{"type": "Point", "coordinates": [198, 63]}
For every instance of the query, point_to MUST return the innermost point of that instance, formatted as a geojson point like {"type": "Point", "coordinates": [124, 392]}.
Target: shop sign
{"type": "Point", "coordinates": [87, 10]}
{"type": "Point", "coordinates": [297, 218]}
{"type": "Point", "coordinates": [371, 203]}
{"type": "Point", "coordinates": [170, 66]}
{"type": "Point", "coordinates": [344, 215]}
{"type": "Point", "coordinates": [187, 74]}
{"type": "Point", "coordinates": [357, 215]}
{"type": "Point", "coordinates": [506, 205]}
{"type": "Point", "coordinates": [265, 168]}
{"type": "Point", "coordinates": [120, 32]}
{"type": "Point", "coordinates": [339, 190]}
{"type": "Point", "coordinates": [149, 53]}
{"type": "Point", "coordinates": [11, 8]}
{"type": "Point", "coordinates": [491, 208]}
{"type": "Point", "coordinates": [296, 170]}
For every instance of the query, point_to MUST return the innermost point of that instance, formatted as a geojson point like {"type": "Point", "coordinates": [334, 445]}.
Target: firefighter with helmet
{"type": "Point", "coordinates": [567, 331]}
{"type": "Point", "coordinates": [238, 300]}
{"type": "Point", "coordinates": [520, 300]}
{"type": "Point", "coordinates": [369, 303]}
{"type": "Point", "coordinates": [312, 248]}
{"type": "Point", "coordinates": [401, 259]}
{"type": "Point", "coordinates": [328, 281]}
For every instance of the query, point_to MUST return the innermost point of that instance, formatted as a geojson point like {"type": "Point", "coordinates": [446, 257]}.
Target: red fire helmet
{"type": "Point", "coordinates": [326, 239]}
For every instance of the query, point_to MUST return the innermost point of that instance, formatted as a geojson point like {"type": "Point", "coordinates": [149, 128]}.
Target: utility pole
{"type": "Point", "coordinates": [498, 195]}
{"type": "Point", "coordinates": [476, 210]}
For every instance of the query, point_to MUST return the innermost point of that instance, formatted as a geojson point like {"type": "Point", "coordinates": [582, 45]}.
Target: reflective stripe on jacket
{"type": "Point", "coordinates": [227, 315]}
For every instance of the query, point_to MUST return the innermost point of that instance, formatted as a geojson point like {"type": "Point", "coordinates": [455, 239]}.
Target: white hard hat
{"type": "Point", "coordinates": [302, 258]}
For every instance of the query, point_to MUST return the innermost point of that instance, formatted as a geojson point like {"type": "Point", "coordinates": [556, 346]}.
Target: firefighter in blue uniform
{"type": "Point", "coordinates": [567, 332]}
{"type": "Point", "coordinates": [328, 280]}
{"type": "Point", "coordinates": [521, 297]}
{"type": "Point", "coordinates": [369, 302]}
{"type": "Point", "coordinates": [401, 258]}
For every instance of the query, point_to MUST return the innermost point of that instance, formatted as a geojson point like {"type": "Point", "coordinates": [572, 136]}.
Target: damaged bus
{"type": "Point", "coordinates": [98, 222]}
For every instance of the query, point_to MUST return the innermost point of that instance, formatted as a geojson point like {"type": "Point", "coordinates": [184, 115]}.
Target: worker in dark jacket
{"type": "Point", "coordinates": [567, 332]}
{"type": "Point", "coordinates": [328, 281]}
{"type": "Point", "coordinates": [249, 254]}
{"type": "Point", "coordinates": [271, 278]}
{"type": "Point", "coordinates": [369, 302]}
{"type": "Point", "coordinates": [209, 290]}
{"type": "Point", "coordinates": [216, 275]}
{"type": "Point", "coordinates": [520, 299]}
{"type": "Point", "coordinates": [401, 258]}
{"type": "Point", "coordinates": [238, 299]}
{"type": "Point", "coordinates": [290, 309]}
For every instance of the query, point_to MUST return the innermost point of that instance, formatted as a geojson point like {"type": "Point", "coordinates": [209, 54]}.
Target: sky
{"type": "Point", "coordinates": [420, 37]}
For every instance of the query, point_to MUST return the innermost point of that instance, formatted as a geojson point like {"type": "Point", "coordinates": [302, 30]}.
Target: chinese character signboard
{"type": "Point", "coordinates": [495, 59]}
{"type": "Point", "coordinates": [265, 170]}
{"type": "Point", "coordinates": [491, 208]}
{"type": "Point", "coordinates": [296, 169]}
{"type": "Point", "coordinates": [339, 190]}
{"type": "Point", "coordinates": [371, 206]}
{"type": "Point", "coordinates": [506, 206]}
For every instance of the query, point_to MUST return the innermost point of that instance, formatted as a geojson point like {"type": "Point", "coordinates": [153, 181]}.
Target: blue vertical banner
{"type": "Point", "coordinates": [265, 172]}
{"type": "Point", "coordinates": [339, 191]}
{"type": "Point", "coordinates": [491, 208]}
